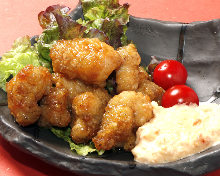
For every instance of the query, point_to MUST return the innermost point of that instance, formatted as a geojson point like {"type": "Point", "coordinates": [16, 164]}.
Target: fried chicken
{"type": "Point", "coordinates": [73, 87]}
{"type": "Point", "coordinates": [127, 74]}
{"type": "Point", "coordinates": [55, 109]}
{"type": "Point", "coordinates": [88, 104]}
{"type": "Point", "coordinates": [88, 113]}
{"type": "Point", "coordinates": [89, 60]}
{"type": "Point", "coordinates": [88, 109]}
{"type": "Point", "coordinates": [151, 89]}
{"type": "Point", "coordinates": [131, 76]}
{"type": "Point", "coordinates": [123, 115]}
{"type": "Point", "coordinates": [143, 75]}
{"type": "Point", "coordinates": [25, 90]}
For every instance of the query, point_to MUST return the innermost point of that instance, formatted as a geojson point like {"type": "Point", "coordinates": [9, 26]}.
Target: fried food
{"type": "Point", "coordinates": [151, 89]}
{"type": "Point", "coordinates": [88, 104]}
{"type": "Point", "coordinates": [73, 87]}
{"type": "Point", "coordinates": [88, 109]}
{"type": "Point", "coordinates": [131, 76]}
{"type": "Point", "coordinates": [55, 109]}
{"type": "Point", "coordinates": [25, 90]}
{"type": "Point", "coordinates": [88, 114]}
{"type": "Point", "coordinates": [76, 87]}
{"type": "Point", "coordinates": [89, 60]}
{"type": "Point", "coordinates": [143, 75]}
{"type": "Point", "coordinates": [127, 74]}
{"type": "Point", "coordinates": [123, 115]}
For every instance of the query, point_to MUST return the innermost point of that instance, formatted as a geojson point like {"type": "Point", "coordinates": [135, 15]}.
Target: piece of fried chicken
{"type": "Point", "coordinates": [89, 60]}
{"type": "Point", "coordinates": [88, 109]}
{"type": "Point", "coordinates": [55, 109]}
{"type": "Point", "coordinates": [131, 76]}
{"type": "Point", "coordinates": [73, 87]}
{"type": "Point", "coordinates": [147, 87]}
{"type": "Point", "coordinates": [88, 105]}
{"type": "Point", "coordinates": [25, 90]}
{"type": "Point", "coordinates": [127, 74]}
{"type": "Point", "coordinates": [124, 114]}
{"type": "Point", "coordinates": [151, 89]}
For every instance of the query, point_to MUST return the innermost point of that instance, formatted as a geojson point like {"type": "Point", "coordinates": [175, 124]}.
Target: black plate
{"type": "Point", "coordinates": [196, 44]}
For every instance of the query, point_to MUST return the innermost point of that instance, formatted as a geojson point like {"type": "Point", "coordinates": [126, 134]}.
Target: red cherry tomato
{"type": "Point", "coordinates": [169, 73]}
{"type": "Point", "coordinates": [179, 94]}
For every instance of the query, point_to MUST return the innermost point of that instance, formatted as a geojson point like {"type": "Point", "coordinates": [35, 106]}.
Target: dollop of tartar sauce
{"type": "Point", "coordinates": [177, 132]}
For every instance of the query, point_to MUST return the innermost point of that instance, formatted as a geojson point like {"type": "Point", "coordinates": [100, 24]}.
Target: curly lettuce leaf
{"type": "Point", "coordinates": [81, 149]}
{"type": "Point", "coordinates": [108, 16]}
{"type": "Point", "coordinates": [50, 33]}
{"type": "Point", "coordinates": [70, 29]}
{"type": "Point", "coordinates": [47, 19]}
{"type": "Point", "coordinates": [95, 33]}
{"type": "Point", "coordinates": [114, 30]}
{"type": "Point", "coordinates": [89, 4]}
{"type": "Point", "coordinates": [45, 41]}
{"type": "Point", "coordinates": [20, 55]}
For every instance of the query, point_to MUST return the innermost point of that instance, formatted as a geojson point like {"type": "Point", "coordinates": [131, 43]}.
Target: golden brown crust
{"type": "Point", "coordinates": [124, 114]}
{"type": "Point", "coordinates": [88, 115]}
{"type": "Point", "coordinates": [151, 89]}
{"type": "Point", "coordinates": [127, 74]}
{"type": "Point", "coordinates": [86, 59]}
{"type": "Point", "coordinates": [25, 90]}
{"type": "Point", "coordinates": [143, 75]}
{"type": "Point", "coordinates": [88, 109]}
{"type": "Point", "coordinates": [54, 109]}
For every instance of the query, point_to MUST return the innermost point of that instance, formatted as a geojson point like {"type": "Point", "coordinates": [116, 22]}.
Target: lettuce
{"type": "Point", "coordinates": [108, 16]}
{"type": "Point", "coordinates": [50, 32]}
{"type": "Point", "coordinates": [20, 55]}
{"type": "Point", "coordinates": [80, 149]}
{"type": "Point", "coordinates": [44, 42]}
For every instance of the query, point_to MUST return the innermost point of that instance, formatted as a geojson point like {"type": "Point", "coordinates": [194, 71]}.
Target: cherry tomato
{"type": "Point", "coordinates": [179, 94]}
{"type": "Point", "coordinates": [169, 73]}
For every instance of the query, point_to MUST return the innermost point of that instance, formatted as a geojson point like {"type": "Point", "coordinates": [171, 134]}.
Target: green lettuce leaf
{"type": "Point", "coordinates": [108, 16]}
{"type": "Point", "coordinates": [50, 33]}
{"type": "Point", "coordinates": [81, 149]}
{"type": "Point", "coordinates": [44, 42]}
{"type": "Point", "coordinates": [70, 29]}
{"type": "Point", "coordinates": [20, 55]}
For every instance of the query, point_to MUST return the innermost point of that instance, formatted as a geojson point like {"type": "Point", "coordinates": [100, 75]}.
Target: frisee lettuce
{"type": "Point", "coordinates": [81, 149]}
{"type": "Point", "coordinates": [44, 43]}
{"type": "Point", "coordinates": [20, 55]}
{"type": "Point", "coordinates": [108, 16]}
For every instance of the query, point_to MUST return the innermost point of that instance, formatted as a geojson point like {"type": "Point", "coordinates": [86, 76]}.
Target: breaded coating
{"type": "Point", "coordinates": [74, 87]}
{"type": "Point", "coordinates": [131, 76]}
{"type": "Point", "coordinates": [151, 89]}
{"type": "Point", "coordinates": [55, 109]}
{"type": "Point", "coordinates": [88, 109]}
{"type": "Point", "coordinates": [88, 113]}
{"type": "Point", "coordinates": [143, 75]}
{"type": "Point", "coordinates": [127, 74]}
{"type": "Point", "coordinates": [25, 90]}
{"type": "Point", "coordinates": [86, 59]}
{"type": "Point", "coordinates": [123, 115]}
{"type": "Point", "coordinates": [88, 104]}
